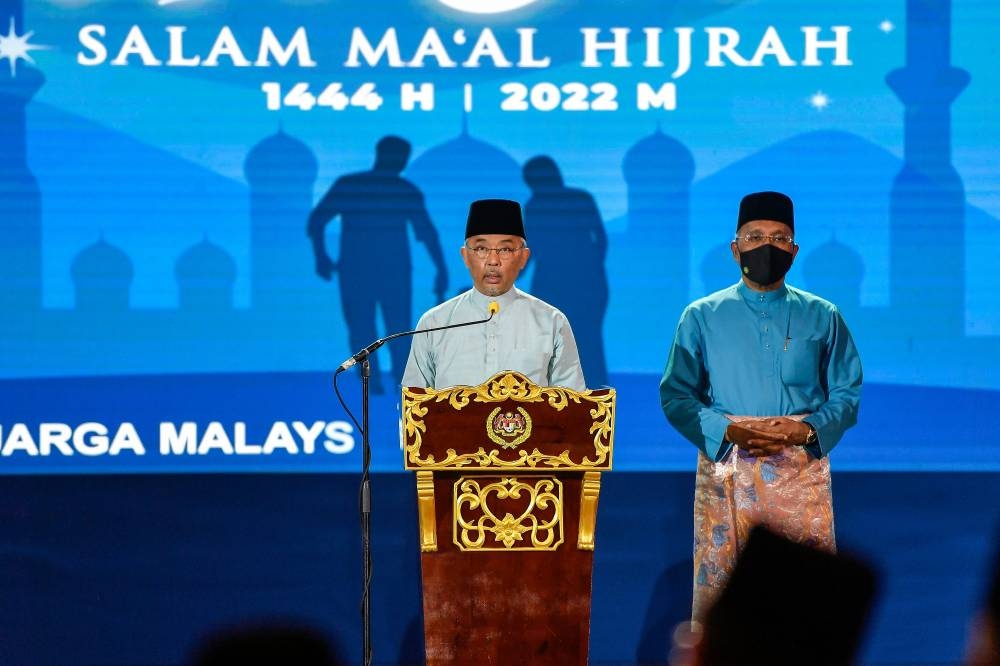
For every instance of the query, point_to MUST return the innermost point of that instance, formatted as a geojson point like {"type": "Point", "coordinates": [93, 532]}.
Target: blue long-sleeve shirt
{"type": "Point", "coordinates": [748, 353]}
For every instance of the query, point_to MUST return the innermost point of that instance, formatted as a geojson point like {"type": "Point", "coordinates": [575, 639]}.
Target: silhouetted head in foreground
{"type": "Point", "coordinates": [787, 603]}
{"type": "Point", "coordinates": [984, 641]}
{"type": "Point", "coordinates": [265, 645]}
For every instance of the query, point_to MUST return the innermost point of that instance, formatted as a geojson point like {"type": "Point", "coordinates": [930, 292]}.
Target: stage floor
{"type": "Point", "coordinates": [131, 570]}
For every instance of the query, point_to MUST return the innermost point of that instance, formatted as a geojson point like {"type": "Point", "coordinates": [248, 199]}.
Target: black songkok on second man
{"type": "Point", "coordinates": [773, 206]}
{"type": "Point", "coordinates": [495, 216]}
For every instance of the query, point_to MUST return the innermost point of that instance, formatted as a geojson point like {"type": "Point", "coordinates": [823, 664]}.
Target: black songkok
{"type": "Point", "coordinates": [773, 206]}
{"type": "Point", "coordinates": [494, 216]}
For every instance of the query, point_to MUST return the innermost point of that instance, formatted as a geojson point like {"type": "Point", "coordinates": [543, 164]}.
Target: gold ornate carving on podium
{"type": "Point", "coordinates": [425, 512]}
{"type": "Point", "coordinates": [510, 387]}
{"type": "Point", "coordinates": [508, 513]}
{"type": "Point", "coordinates": [590, 489]}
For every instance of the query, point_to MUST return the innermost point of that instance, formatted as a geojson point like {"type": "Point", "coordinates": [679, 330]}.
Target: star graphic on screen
{"type": "Point", "coordinates": [886, 26]}
{"type": "Point", "coordinates": [16, 47]}
{"type": "Point", "coordinates": [819, 100]}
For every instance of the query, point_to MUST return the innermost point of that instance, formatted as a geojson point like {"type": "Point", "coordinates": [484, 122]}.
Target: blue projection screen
{"type": "Point", "coordinates": [160, 307]}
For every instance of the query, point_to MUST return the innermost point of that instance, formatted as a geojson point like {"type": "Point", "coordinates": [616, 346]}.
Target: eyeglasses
{"type": "Point", "coordinates": [503, 253]}
{"type": "Point", "coordinates": [757, 238]}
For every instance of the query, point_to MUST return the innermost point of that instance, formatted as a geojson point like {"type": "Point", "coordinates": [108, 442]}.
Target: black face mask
{"type": "Point", "coordinates": [766, 264]}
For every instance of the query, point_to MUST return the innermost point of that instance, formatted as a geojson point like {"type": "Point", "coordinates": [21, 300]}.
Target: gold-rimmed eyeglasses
{"type": "Point", "coordinates": [503, 253]}
{"type": "Point", "coordinates": [757, 238]}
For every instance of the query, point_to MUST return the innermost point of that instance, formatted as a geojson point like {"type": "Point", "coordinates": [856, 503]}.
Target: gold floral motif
{"type": "Point", "coordinates": [478, 504]}
{"type": "Point", "coordinates": [499, 388]}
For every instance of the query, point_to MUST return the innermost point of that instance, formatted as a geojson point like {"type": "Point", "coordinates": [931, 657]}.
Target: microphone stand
{"type": "Point", "coordinates": [366, 458]}
{"type": "Point", "coordinates": [366, 513]}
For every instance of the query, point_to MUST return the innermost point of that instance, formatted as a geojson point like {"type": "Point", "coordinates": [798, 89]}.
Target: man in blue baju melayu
{"type": "Point", "coordinates": [764, 379]}
{"type": "Point", "coordinates": [526, 334]}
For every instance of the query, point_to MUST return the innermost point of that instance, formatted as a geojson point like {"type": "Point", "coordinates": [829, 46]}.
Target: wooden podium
{"type": "Point", "coordinates": [508, 476]}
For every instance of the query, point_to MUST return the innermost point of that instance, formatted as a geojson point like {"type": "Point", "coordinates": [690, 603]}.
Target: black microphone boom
{"type": "Point", "coordinates": [367, 351]}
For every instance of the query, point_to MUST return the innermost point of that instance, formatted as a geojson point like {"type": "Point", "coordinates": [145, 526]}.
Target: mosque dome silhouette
{"type": "Point", "coordinates": [102, 275]}
{"type": "Point", "coordinates": [205, 263]}
{"type": "Point", "coordinates": [834, 271]}
{"type": "Point", "coordinates": [205, 275]}
{"type": "Point", "coordinates": [466, 162]}
{"type": "Point", "coordinates": [102, 263]}
{"type": "Point", "coordinates": [656, 157]}
{"type": "Point", "coordinates": [455, 173]}
{"type": "Point", "coordinates": [281, 157]}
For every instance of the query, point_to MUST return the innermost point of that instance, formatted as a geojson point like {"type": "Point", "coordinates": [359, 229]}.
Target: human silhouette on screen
{"type": "Point", "coordinates": [374, 262]}
{"type": "Point", "coordinates": [571, 246]}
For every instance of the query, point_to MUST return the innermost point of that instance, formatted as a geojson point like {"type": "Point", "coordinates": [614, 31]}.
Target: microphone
{"type": "Point", "coordinates": [492, 308]}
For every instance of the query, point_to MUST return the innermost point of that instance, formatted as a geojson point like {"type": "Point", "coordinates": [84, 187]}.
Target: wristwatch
{"type": "Point", "coordinates": [811, 438]}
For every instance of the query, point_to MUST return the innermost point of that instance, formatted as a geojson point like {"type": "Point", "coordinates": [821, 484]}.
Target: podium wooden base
{"type": "Point", "coordinates": [510, 606]}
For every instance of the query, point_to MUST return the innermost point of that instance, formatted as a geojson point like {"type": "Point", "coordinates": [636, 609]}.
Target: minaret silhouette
{"type": "Point", "coordinates": [658, 171]}
{"type": "Point", "coordinates": [835, 271]}
{"type": "Point", "coordinates": [927, 205]}
{"type": "Point", "coordinates": [20, 199]}
{"type": "Point", "coordinates": [281, 171]}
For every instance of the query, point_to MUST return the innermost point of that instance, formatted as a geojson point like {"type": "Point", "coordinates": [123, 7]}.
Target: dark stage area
{"type": "Point", "coordinates": [132, 570]}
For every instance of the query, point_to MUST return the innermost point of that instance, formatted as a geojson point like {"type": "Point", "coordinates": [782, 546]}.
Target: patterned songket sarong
{"type": "Point", "coordinates": [788, 492]}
